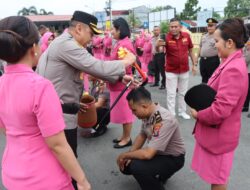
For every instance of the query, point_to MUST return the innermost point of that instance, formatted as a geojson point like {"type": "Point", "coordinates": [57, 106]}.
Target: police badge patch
{"type": "Point", "coordinates": [156, 129]}
{"type": "Point", "coordinates": [157, 124]}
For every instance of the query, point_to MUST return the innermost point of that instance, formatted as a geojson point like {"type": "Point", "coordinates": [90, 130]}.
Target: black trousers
{"type": "Point", "coordinates": [100, 113]}
{"type": "Point", "coordinates": [159, 63]}
{"type": "Point", "coordinates": [246, 104]}
{"type": "Point", "coordinates": [150, 173]}
{"type": "Point", "coordinates": [208, 66]}
{"type": "Point", "coordinates": [71, 136]}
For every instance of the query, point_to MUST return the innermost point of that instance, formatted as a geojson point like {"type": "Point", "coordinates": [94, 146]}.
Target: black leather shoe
{"type": "Point", "coordinates": [116, 141]}
{"type": "Point", "coordinates": [154, 85]}
{"type": "Point", "coordinates": [122, 146]}
{"type": "Point", "coordinates": [99, 132]}
{"type": "Point", "coordinates": [162, 88]}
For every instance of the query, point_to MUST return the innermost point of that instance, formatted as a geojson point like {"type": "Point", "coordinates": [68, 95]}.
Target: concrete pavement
{"type": "Point", "coordinates": [98, 157]}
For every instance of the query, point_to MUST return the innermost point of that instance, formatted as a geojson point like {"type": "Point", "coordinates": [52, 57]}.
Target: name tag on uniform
{"type": "Point", "coordinates": [184, 40]}
{"type": "Point", "coordinates": [171, 42]}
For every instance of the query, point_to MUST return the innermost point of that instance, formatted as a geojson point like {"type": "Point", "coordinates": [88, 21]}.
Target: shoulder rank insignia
{"type": "Point", "coordinates": [157, 117]}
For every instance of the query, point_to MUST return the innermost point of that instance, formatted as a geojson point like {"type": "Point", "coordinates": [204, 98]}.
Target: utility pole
{"type": "Point", "coordinates": [133, 18]}
{"type": "Point", "coordinates": [110, 9]}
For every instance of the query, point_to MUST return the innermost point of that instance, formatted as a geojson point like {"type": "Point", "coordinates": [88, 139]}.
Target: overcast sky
{"type": "Point", "coordinates": [67, 7]}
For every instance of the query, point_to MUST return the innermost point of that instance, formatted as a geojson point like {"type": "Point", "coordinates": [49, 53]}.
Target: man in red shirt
{"type": "Point", "coordinates": [178, 47]}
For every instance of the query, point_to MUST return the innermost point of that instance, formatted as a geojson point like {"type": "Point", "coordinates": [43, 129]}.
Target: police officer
{"type": "Point", "coordinates": [158, 58]}
{"type": "Point", "coordinates": [153, 164]}
{"type": "Point", "coordinates": [66, 58]}
{"type": "Point", "coordinates": [209, 59]}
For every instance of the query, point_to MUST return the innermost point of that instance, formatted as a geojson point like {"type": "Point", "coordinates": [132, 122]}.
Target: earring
{"type": "Point", "coordinates": [36, 54]}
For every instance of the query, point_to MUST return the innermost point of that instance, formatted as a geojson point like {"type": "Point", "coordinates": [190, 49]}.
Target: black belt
{"type": "Point", "coordinates": [70, 108]}
{"type": "Point", "coordinates": [158, 53]}
{"type": "Point", "coordinates": [213, 57]}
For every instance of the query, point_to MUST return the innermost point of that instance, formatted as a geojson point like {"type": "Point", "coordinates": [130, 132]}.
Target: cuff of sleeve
{"type": "Point", "coordinates": [122, 73]}
{"type": "Point", "coordinates": [53, 129]}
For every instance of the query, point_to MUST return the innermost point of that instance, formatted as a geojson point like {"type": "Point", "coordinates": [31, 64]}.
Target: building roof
{"type": "Point", "coordinates": [190, 22]}
{"type": "Point", "coordinates": [120, 12]}
{"type": "Point", "coordinates": [54, 18]}
{"type": "Point", "coordinates": [49, 18]}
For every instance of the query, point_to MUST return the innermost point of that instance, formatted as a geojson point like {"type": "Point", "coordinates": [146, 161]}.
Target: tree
{"type": "Point", "coordinates": [23, 12]}
{"type": "Point", "coordinates": [160, 8]}
{"type": "Point", "coordinates": [164, 27]}
{"type": "Point", "coordinates": [216, 15]}
{"type": "Point", "coordinates": [237, 8]}
{"type": "Point", "coordinates": [33, 11]}
{"type": "Point", "coordinates": [190, 10]}
{"type": "Point", "coordinates": [44, 12]}
{"type": "Point", "coordinates": [133, 21]}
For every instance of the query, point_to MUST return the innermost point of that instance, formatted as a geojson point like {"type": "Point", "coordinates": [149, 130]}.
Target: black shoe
{"type": "Point", "coordinates": [116, 141]}
{"type": "Point", "coordinates": [154, 85]}
{"type": "Point", "coordinates": [122, 146]}
{"type": "Point", "coordinates": [162, 88]}
{"type": "Point", "coordinates": [99, 132]}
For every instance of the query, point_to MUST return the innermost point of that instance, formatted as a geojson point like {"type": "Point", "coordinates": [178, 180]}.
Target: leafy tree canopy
{"type": "Point", "coordinates": [190, 10]}
{"type": "Point", "coordinates": [160, 8]}
{"type": "Point", "coordinates": [33, 11]}
{"type": "Point", "coordinates": [237, 8]}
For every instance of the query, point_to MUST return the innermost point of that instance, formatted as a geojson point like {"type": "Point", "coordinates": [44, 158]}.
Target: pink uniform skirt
{"type": "Point", "coordinates": [213, 169]}
{"type": "Point", "coordinates": [121, 113]}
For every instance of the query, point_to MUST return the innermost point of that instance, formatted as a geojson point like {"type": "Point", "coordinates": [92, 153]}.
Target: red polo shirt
{"type": "Point", "coordinates": [177, 53]}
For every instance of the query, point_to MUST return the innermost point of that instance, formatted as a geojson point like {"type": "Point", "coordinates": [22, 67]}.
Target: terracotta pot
{"type": "Point", "coordinates": [89, 118]}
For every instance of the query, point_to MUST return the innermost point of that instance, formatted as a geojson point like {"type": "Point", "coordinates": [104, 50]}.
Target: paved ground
{"type": "Point", "coordinates": [99, 158]}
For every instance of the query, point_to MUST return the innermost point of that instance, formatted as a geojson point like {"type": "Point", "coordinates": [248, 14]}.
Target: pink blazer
{"type": "Point", "coordinates": [218, 127]}
{"type": "Point", "coordinates": [124, 43]}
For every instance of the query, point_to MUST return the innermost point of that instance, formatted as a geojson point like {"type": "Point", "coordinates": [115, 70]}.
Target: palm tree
{"type": "Point", "coordinates": [44, 12]}
{"type": "Point", "coordinates": [23, 12]}
{"type": "Point", "coordinates": [33, 11]}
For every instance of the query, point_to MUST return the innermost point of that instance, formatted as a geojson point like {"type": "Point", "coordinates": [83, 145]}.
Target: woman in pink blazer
{"type": "Point", "coordinates": [147, 57]}
{"type": "Point", "coordinates": [217, 128]}
{"type": "Point", "coordinates": [121, 113]}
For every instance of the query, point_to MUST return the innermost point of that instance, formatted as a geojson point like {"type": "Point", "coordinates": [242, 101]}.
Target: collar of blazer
{"type": "Point", "coordinates": [217, 72]}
